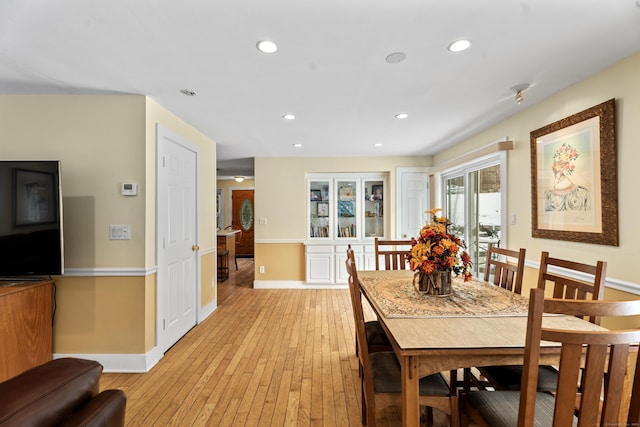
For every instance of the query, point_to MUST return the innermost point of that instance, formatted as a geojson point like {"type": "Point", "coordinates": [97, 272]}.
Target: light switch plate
{"type": "Point", "coordinates": [119, 232]}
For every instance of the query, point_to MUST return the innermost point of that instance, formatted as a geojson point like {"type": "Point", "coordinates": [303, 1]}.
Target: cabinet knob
{"type": "Point", "coordinates": [195, 248]}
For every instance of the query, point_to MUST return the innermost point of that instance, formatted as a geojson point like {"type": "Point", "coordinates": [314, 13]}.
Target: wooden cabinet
{"type": "Point", "coordinates": [26, 333]}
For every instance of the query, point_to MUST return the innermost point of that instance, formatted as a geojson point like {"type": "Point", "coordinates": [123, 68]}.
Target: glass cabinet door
{"type": "Point", "coordinates": [347, 209]}
{"type": "Point", "coordinates": [373, 208]}
{"type": "Point", "coordinates": [319, 209]}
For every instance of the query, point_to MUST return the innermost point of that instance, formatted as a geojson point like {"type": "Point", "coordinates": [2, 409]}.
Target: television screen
{"type": "Point", "coordinates": [31, 239]}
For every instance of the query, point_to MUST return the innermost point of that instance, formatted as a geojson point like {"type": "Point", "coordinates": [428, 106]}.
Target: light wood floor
{"type": "Point", "coordinates": [263, 358]}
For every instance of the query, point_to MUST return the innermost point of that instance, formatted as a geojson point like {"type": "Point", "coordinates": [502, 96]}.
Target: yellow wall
{"type": "Point", "coordinates": [271, 256]}
{"type": "Point", "coordinates": [619, 81]}
{"type": "Point", "coordinates": [103, 141]}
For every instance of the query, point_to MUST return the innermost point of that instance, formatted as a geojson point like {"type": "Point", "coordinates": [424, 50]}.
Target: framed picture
{"type": "Point", "coordinates": [376, 192]}
{"type": "Point", "coordinates": [315, 195]}
{"type": "Point", "coordinates": [574, 188]}
{"type": "Point", "coordinates": [323, 209]}
{"type": "Point", "coordinates": [35, 201]}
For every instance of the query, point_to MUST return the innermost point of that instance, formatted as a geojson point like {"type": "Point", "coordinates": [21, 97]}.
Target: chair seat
{"type": "Point", "coordinates": [385, 369]}
{"type": "Point", "coordinates": [500, 408]}
{"type": "Point", "coordinates": [509, 377]}
{"type": "Point", "coordinates": [375, 334]}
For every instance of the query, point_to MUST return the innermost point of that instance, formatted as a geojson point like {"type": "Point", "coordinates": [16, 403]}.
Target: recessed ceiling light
{"type": "Point", "coordinates": [395, 57]}
{"type": "Point", "coordinates": [297, 145]}
{"type": "Point", "coordinates": [402, 116]}
{"type": "Point", "coordinates": [377, 144]}
{"type": "Point", "coordinates": [266, 46]}
{"type": "Point", "coordinates": [288, 116]}
{"type": "Point", "coordinates": [188, 92]}
{"type": "Point", "coordinates": [459, 45]}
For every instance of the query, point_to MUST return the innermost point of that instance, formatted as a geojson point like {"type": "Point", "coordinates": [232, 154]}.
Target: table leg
{"type": "Point", "coordinates": [410, 394]}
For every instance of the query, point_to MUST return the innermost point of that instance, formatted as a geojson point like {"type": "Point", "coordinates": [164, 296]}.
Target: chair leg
{"type": "Point", "coordinates": [236, 260]}
{"type": "Point", "coordinates": [429, 416]}
{"type": "Point", "coordinates": [364, 403]}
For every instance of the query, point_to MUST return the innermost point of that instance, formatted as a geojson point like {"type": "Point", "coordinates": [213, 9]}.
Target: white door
{"type": "Point", "coordinates": [413, 194]}
{"type": "Point", "coordinates": [177, 238]}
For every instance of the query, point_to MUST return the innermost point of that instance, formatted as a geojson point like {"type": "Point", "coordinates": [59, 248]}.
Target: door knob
{"type": "Point", "coordinates": [195, 247]}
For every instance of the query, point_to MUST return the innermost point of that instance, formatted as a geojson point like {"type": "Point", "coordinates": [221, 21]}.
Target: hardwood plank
{"type": "Point", "coordinates": [263, 358]}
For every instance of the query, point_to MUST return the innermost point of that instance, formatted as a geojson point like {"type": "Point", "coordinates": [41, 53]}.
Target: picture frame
{"type": "Point", "coordinates": [35, 201]}
{"type": "Point", "coordinates": [315, 195]}
{"type": "Point", "coordinates": [323, 209]}
{"type": "Point", "coordinates": [574, 188]}
{"type": "Point", "coordinates": [376, 192]}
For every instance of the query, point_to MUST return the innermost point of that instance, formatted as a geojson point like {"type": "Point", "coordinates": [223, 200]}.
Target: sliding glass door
{"type": "Point", "coordinates": [473, 202]}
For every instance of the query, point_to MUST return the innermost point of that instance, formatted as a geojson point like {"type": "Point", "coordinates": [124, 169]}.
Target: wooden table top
{"type": "Point", "coordinates": [464, 330]}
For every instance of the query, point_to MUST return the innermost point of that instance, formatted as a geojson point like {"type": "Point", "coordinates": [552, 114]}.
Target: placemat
{"type": "Point", "coordinates": [396, 297]}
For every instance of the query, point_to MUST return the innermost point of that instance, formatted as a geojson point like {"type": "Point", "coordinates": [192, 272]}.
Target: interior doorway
{"type": "Point", "coordinates": [242, 217]}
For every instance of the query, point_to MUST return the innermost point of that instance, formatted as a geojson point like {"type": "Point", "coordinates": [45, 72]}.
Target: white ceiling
{"type": "Point", "coordinates": [330, 69]}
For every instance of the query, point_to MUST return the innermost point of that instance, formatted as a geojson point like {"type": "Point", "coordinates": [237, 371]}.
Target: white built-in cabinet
{"type": "Point", "coordinates": [343, 209]}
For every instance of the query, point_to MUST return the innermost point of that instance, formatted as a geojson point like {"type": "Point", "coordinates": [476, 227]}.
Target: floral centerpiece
{"type": "Point", "coordinates": [435, 255]}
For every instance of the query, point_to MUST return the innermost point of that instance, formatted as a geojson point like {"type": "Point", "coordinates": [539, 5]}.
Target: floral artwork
{"type": "Point", "coordinates": [566, 194]}
{"type": "Point", "coordinates": [574, 177]}
{"type": "Point", "coordinates": [436, 249]}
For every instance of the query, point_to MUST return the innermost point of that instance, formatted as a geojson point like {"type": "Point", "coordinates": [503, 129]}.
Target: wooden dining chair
{"type": "Point", "coordinates": [375, 336]}
{"type": "Point", "coordinates": [381, 383]}
{"type": "Point", "coordinates": [562, 277]}
{"type": "Point", "coordinates": [505, 268]}
{"type": "Point", "coordinates": [591, 393]}
{"type": "Point", "coordinates": [393, 253]}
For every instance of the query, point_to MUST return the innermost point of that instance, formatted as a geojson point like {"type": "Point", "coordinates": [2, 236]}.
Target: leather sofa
{"type": "Point", "coordinates": [61, 392]}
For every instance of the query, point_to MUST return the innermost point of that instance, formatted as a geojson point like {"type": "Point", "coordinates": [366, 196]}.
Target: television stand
{"type": "Point", "coordinates": [26, 331]}
{"type": "Point", "coordinates": [18, 279]}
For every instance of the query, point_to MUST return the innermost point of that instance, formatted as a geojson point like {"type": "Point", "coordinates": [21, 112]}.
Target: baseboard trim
{"type": "Point", "coordinates": [121, 363]}
{"type": "Point", "coordinates": [207, 310]}
{"type": "Point", "coordinates": [295, 284]}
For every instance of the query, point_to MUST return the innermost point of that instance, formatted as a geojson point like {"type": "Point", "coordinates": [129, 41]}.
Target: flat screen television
{"type": "Point", "coordinates": [31, 238]}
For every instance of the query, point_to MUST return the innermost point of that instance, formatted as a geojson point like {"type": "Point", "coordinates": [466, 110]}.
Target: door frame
{"type": "Point", "coordinates": [163, 133]}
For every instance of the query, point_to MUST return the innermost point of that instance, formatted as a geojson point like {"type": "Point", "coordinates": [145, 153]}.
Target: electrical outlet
{"type": "Point", "coordinates": [512, 219]}
{"type": "Point", "coordinates": [262, 269]}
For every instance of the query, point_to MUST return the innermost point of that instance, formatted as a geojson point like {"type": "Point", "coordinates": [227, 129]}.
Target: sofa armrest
{"type": "Point", "coordinates": [105, 410]}
{"type": "Point", "coordinates": [47, 394]}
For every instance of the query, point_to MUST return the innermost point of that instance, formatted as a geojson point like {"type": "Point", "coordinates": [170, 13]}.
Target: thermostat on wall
{"type": "Point", "coordinates": [129, 189]}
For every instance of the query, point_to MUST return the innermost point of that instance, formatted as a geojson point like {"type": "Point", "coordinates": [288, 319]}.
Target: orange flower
{"type": "Point", "coordinates": [436, 249]}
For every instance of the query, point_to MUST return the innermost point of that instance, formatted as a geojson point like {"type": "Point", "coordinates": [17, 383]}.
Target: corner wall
{"type": "Point", "coordinates": [106, 301]}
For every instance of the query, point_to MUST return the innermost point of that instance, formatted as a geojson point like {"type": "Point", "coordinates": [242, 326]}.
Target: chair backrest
{"type": "Point", "coordinates": [358, 314]}
{"type": "Point", "coordinates": [600, 388]}
{"type": "Point", "coordinates": [393, 252]}
{"type": "Point", "coordinates": [508, 267]}
{"type": "Point", "coordinates": [570, 287]}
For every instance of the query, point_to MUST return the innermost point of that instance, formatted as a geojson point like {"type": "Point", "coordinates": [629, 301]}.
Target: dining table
{"type": "Point", "coordinates": [479, 324]}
